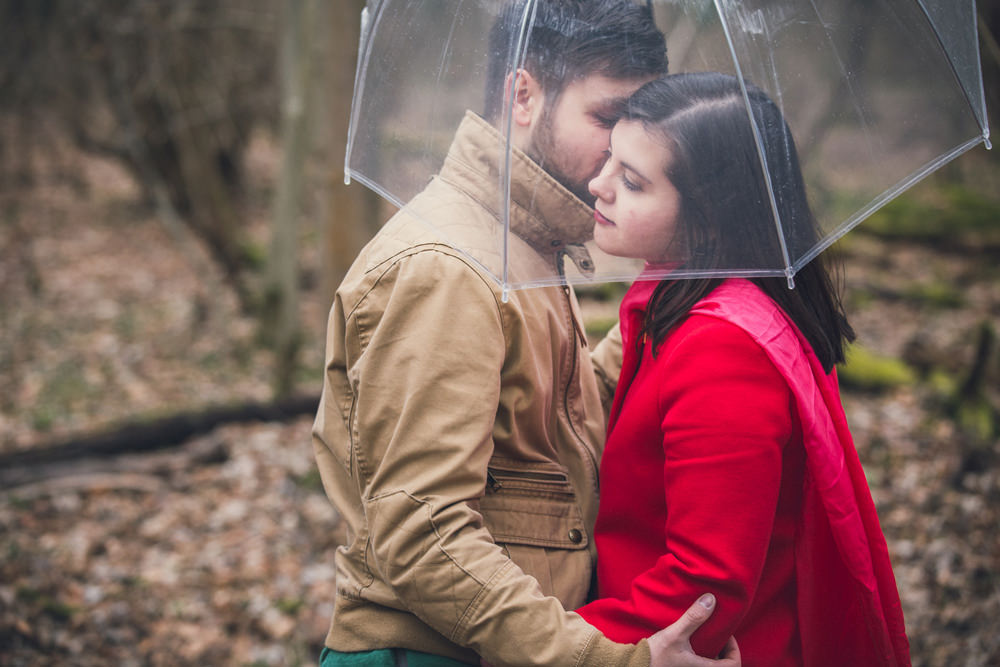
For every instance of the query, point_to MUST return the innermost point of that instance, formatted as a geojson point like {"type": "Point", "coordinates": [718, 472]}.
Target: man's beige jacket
{"type": "Point", "coordinates": [459, 435]}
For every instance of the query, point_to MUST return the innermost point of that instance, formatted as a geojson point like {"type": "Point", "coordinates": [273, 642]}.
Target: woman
{"type": "Point", "coordinates": [729, 465]}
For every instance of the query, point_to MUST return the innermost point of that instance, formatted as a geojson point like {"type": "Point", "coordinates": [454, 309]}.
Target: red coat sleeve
{"type": "Point", "coordinates": [726, 416]}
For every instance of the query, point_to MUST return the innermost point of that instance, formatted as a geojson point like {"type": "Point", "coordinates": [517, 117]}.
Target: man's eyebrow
{"type": "Point", "coordinates": [611, 106]}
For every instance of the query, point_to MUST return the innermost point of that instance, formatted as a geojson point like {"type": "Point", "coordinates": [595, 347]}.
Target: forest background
{"type": "Point", "coordinates": [173, 223]}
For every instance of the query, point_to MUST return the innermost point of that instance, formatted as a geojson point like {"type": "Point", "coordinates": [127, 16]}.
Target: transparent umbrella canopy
{"type": "Point", "coordinates": [877, 94]}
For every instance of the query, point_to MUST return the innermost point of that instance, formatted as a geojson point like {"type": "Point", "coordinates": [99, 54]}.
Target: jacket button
{"type": "Point", "coordinates": [575, 536]}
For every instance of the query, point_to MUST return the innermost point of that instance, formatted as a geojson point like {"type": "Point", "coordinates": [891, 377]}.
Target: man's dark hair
{"type": "Point", "coordinates": [568, 40]}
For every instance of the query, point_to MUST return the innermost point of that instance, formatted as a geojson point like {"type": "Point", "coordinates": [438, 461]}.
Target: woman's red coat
{"type": "Point", "coordinates": [730, 469]}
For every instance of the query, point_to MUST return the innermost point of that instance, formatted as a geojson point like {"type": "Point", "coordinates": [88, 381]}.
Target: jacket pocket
{"type": "Point", "coordinates": [532, 503]}
{"type": "Point", "coordinates": [531, 511]}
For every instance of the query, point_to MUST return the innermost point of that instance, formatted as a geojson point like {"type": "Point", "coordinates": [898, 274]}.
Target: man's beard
{"type": "Point", "coordinates": [543, 150]}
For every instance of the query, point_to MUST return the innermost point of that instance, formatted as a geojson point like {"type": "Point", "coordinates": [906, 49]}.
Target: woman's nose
{"type": "Point", "coordinates": [598, 186]}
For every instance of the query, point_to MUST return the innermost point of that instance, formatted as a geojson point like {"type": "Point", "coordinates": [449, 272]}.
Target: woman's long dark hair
{"type": "Point", "coordinates": [726, 219]}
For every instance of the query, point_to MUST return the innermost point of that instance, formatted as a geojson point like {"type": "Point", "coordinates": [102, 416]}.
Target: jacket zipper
{"type": "Point", "coordinates": [588, 456]}
{"type": "Point", "coordinates": [529, 475]}
{"type": "Point", "coordinates": [558, 483]}
{"type": "Point", "coordinates": [492, 482]}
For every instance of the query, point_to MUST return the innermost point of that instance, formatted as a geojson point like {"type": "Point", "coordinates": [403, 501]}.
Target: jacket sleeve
{"type": "Point", "coordinates": [607, 360]}
{"type": "Point", "coordinates": [427, 385]}
{"type": "Point", "coordinates": [725, 418]}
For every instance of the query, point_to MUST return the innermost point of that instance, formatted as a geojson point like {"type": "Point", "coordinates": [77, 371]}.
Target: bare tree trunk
{"type": "Point", "coordinates": [281, 313]}
{"type": "Point", "coordinates": [350, 214]}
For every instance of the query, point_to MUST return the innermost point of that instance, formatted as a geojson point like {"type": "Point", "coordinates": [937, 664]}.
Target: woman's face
{"type": "Point", "coordinates": [637, 206]}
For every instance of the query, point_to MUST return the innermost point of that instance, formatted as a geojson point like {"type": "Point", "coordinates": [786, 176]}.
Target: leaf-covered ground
{"type": "Point", "coordinates": [220, 551]}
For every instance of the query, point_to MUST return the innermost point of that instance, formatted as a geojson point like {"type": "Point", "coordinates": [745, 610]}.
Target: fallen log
{"type": "Point", "coordinates": [149, 435]}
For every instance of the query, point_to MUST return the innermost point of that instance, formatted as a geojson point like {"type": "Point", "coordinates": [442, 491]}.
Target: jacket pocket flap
{"type": "Point", "coordinates": [532, 504]}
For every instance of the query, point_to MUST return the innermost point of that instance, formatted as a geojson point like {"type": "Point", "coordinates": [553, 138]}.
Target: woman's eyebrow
{"type": "Point", "coordinates": [635, 171]}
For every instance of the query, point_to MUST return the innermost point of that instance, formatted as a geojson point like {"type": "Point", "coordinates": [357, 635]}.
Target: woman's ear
{"type": "Point", "coordinates": [528, 98]}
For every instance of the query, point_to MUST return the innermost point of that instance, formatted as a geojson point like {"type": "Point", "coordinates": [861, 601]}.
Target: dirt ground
{"type": "Point", "coordinates": [219, 551]}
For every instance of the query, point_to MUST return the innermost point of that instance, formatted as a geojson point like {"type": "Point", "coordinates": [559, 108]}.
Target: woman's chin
{"type": "Point", "coordinates": [602, 243]}
{"type": "Point", "coordinates": [610, 249]}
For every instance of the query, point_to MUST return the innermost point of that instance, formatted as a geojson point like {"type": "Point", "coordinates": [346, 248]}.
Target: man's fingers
{"type": "Point", "coordinates": [677, 636]}
{"type": "Point", "coordinates": [731, 654]}
{"type": "Point", "coordinates": [671, 646]}
{"type": "Point", "coordinates": [695, 615]}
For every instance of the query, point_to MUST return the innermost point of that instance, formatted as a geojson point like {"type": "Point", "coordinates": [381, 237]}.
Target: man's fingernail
{"type": "Point", "coordinates": [707, 600]}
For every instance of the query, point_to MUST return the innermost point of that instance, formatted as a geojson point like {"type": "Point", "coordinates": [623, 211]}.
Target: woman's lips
{"type": "Point", "coordinates": [601, 220]}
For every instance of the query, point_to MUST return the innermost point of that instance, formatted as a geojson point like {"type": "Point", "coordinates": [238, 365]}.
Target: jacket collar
{"type": "Point", "coordinates": [542, 212]}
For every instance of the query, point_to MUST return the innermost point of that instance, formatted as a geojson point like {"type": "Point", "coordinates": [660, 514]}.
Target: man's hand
{"type": "Point", "coordinates": [671, 647]}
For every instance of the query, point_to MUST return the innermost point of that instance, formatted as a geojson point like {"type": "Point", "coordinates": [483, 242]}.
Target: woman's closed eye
{"type": "Point", "coordinates": [630, 184]}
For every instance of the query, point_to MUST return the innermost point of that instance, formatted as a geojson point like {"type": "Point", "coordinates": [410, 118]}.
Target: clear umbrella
{"type": "Point", "coordinates": [877, 95]}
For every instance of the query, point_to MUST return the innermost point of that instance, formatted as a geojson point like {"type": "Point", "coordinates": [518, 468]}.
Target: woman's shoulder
{"type": "Point", "coordinates": [741, 302]}
{"type": "Point", "coordinates": [734, 328]}
{"type": "Point", "coordinates": [743, 305]}
{"type": "Point", "coordinates": [712, 357]}
{"type": "Point", "coordinates": [711, 335]}
{"type": "Point", "coordinates": [739, 329]}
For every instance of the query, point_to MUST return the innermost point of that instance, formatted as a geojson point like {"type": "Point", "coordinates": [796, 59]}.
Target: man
{"type": "Point", "coordinates": [459, 432]}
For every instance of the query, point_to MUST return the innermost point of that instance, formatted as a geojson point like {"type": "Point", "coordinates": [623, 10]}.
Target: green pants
{"type": "Point", "coordinates": [386, 657]}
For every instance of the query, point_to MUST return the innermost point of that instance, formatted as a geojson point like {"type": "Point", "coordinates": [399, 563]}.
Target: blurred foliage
{"type": "Point", "coordinates": [942, 383]}
{"type": "Point", "coordinates": [867, 371]}
{"type": "Point", "coordinates": [66, 389]}
{"type": "Point", "coordinates": [254, 254]}
{"type": "Point", "coordinates": [310, 480]}
{"type": "Point", "coordinates": [958, 215]}
{"type": "Point", "coordinates": [937, 294]}
{"type": "Point", "coordinates": [602, 291]}
{"type": "Point", "coordinates": [971, 406]}
{"type": "Point", "coordinates": [977, 419]}
{"type": "Point", "coordinates": [290, 606]}
{"type": "Point", "coordinates": [597, 327]}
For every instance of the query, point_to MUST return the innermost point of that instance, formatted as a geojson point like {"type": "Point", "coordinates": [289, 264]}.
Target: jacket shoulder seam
{"type": "Point", "coordinates": [445, 251]}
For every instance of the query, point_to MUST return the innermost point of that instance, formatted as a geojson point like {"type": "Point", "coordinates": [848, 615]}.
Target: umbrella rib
{"type": "Point", "coordinates": [789, 272]}
{"type": "Point", "coordinates": [848, 81]}
{"type": "Point", "coordinates": [527, 19]}
{"type": "Point", "coordinates": [885, 198]}
{"type": "Point", "coordinates": [365, 46]}
{"type": "Point", "coordinates": [982, 120]}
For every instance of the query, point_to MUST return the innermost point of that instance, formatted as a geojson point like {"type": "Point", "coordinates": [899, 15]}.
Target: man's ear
{"type": "Point", "coordinates": [528, 98]}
